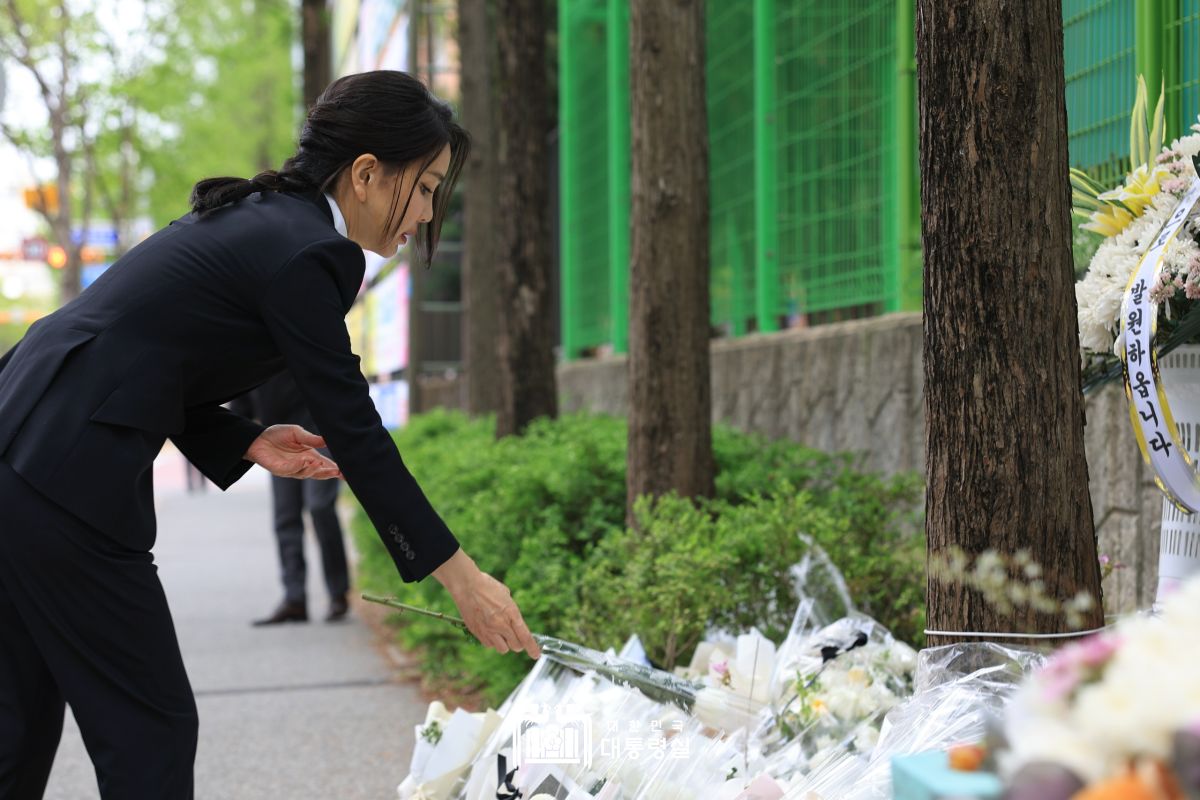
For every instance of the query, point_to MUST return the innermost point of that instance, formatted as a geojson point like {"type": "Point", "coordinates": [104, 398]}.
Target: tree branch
{"type": "Point", "coordinates": [25, 56]}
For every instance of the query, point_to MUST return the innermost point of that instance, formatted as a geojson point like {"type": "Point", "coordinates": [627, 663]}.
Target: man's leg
{"type": "Point", "coordinates": [287, 496]}
{"type": "Point", "coordinates": [320, 497]}
{"type": "Point", "coordinates": [287, 500]}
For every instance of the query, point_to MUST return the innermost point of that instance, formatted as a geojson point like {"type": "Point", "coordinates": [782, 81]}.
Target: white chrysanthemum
{"type": "Point", "coordinates": [1094, 335]}
{"type": "Point", "coordinates": [1187, 146]}
{"type": "Point", "coordinates": [1100, 294]}
{"type": "Point", "coordinates": [1148, 690]}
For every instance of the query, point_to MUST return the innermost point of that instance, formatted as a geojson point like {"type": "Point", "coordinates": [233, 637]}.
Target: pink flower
{"type": "Point", "coordinates": [1075, 664]}
{"type": "Point", "coordinates": [1098, 650]}
{"type": "Point", "coordinates": [1192, 290]}
{"type": "Point", "coordinates": [720, 667]}
{"type": "Point", "coordinates": [1161, 294]}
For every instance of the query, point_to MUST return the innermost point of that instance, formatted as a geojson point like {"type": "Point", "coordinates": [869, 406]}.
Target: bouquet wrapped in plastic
{"type": "Point", "coordinates": [817, 717]}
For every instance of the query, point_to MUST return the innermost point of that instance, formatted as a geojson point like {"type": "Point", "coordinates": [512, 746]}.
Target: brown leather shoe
{"type": "Point", "coordinates": [338, 609]}
{"type": "Point", "coordinates": [286, 612]}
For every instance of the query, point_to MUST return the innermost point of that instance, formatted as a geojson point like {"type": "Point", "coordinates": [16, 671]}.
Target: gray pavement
{"type": "Point", "coordinates": [298, 711]}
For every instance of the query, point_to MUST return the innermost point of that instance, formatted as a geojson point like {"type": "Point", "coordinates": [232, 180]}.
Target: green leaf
{"type": "Point", "coordinates": [1137, 127]}
{"type": "Point", "coordinates": [1156, 133]}
{"type": "Point", "coordinates": [1083, 182]}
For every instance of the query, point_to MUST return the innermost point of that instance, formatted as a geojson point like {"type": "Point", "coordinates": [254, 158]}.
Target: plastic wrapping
{"type": "Point", "coordinates": [961, 692]}
{"type": "Point", "coordinates": [817, 718]}
{"type": "Point", "coordinates": [616, 733]}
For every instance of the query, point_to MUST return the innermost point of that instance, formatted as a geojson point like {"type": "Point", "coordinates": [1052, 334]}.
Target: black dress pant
{"type": "Point", "coordinates": [290, 497]}
{"type": "Point", "coordinates": [84, 622]}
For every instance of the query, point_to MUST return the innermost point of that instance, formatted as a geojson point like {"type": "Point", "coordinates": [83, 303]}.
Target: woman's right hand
{"type": "Point", "coordinates": [289, 451]}
{"type": "Point", "coordinates": [486, 605]}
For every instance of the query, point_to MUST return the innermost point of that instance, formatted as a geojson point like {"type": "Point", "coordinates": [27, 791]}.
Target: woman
{"type": "Point", "coordinates": [258, 278]}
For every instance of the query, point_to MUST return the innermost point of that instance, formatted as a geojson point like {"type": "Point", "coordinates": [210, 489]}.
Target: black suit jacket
{"type": "Point", "coordinates": [199, 313]}
{"type": "Point", "coordinates": [279, 401]}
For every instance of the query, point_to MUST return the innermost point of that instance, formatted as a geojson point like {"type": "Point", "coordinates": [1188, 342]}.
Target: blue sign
{"type": "Point", "coordinates": [96, 237]}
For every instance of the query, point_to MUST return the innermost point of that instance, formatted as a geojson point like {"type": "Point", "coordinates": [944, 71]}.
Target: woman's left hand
{"type": "Point", "coordinates": [289, 451]}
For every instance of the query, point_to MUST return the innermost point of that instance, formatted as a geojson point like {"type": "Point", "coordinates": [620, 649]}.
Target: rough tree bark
{"type": "Point", "coordinates": [314, 26]}
{"type": "Point", "coordinates": [526, 343]}
{"type": "Point", "coordinates": [416, 275]}
{"type": "Point", "coordinates": [480, 276]}
{"type": "Point", "coordinates": [1004, 412]}
{"type": "Point", "coordinates": [670, 392]}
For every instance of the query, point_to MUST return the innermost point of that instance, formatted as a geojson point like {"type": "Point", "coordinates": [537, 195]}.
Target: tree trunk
{"type": "Point", "coordinates": [480, 278]}
{"type": "Point", "coordinates": [314, 24]}
{"type": "Point", "coordinates": [1003, 407]}
{"type": "Point", "coordinates": [526, 341]}
{"type": "Point", "coordinates": [670, 390]}
{"type": "Point", "coordinates": [416, 282]}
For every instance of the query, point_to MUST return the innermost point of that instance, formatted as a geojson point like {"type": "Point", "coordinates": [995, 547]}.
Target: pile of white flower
{"type": "Point", "coordinates": [1120, 696]}
{"type": "Point", "coordinates": [835, 687]}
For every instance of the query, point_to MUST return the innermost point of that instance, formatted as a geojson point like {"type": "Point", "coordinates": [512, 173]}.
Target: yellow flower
{"type": "Point", "coordinates": [1108, 221]}
{"type": "Point", "coordinates": [1108, 213]}
{"type": "Point", "coordinates": [1139, 189]}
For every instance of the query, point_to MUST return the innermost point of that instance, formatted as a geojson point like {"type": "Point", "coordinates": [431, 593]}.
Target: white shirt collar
{"type": "Point", "coordinates": [339, 221]}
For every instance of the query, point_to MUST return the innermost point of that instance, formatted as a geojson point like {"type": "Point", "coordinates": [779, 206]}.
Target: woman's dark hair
{"type": "Point", "coordinates": [387, 113]}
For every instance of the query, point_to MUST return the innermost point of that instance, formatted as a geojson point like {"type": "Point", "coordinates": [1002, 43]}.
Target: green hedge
{"type": "Point", "coordinates": [545, 514]}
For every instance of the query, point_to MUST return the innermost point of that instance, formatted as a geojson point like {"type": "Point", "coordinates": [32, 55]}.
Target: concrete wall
{"type": "Point", "coordinates": [858, 386]}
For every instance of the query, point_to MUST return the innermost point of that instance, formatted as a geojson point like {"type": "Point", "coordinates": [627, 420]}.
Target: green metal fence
{"type": "Point", "coordinates": [1098, 51]}
{"type": "Point", "coordinates": [812, 129]}
{"type": "Point", "coordinates": [1183, 64]}
{"type": "Point", "coordinates": [836, 79]}
{"type": "Point", "coordinates": [730, 77]}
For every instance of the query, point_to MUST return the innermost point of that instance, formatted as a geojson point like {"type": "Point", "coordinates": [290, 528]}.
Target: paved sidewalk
{"type": "Point", "coordinates": [295, 712]}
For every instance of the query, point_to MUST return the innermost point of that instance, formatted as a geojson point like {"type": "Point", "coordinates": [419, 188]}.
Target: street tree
{"type": "Point", "coordinates": [55, 42]}
{"type": "Point", "coordinates": [526, 341]}
{"type": "Point", "coordinates": [670, 393]}
{"type": "Point", "coordinates": [1004, 411]}
{"type": "Point", "coordinates": [480, 275]}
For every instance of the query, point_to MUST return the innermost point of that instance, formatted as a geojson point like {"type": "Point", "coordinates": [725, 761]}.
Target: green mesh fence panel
{"type": "Point", "coordinates": [1185, 88]}
{"type": "Point", "coordinates": [836, 75]}
{"type": "Point", "coordinates": [1101, 77]}
{"type": "Point", "coordinates": [730, 76]}
{"type": "Point", "coordinates": [587, 234]}
{"type": "Point", "coordinates": [836, 104]}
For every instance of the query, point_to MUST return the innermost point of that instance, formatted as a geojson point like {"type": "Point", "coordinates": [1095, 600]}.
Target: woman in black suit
{"type": "Point", "coordinates": [256, 279]}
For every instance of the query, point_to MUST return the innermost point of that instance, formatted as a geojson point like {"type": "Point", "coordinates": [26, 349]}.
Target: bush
{"type": "Point", "coordinates": [544, 513]}
{"type": "Point", "coordinates": [692, 566]}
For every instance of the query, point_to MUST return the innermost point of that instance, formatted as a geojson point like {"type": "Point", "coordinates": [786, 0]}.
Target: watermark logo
{"type": "Point", "coordinates": [559, 735]}
{"type": "Point", "coordinates": [562, 735]}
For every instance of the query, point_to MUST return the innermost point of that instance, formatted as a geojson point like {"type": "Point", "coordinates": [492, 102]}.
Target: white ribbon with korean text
{"type": "Point", "coordinates": [1148, 408]}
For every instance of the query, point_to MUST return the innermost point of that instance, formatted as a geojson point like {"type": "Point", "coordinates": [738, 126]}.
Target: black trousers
{"type": "Point", "coordinates": [290, 497]}
{"type": "Point", "coordinates": [84, 622]}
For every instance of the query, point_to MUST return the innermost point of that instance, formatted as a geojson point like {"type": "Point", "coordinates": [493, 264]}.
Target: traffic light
{"type": "Point", "coordinates": [34, 197]}
{"type": "Point", "coordinates": [56, 257]}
